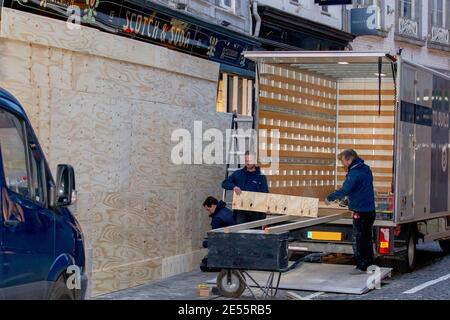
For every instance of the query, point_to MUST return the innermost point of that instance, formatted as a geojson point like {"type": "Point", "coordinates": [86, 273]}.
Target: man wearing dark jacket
{"type": "Point", "coordinates": [358, 187]}
{"type": "Point", "coordinates": [249, 178]}
{"type": "Point", "coordinates": [221, 217]}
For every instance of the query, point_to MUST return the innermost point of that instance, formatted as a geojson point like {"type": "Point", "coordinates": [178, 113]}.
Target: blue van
{"type": "Point", "coordinates": [41, 243]}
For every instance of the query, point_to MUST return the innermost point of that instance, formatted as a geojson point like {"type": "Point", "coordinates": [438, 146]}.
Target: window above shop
{"type": "Point", "coordinates": [439, 24]}
{"type": "Point", "coordinates": [409, 21]}
{"type": "Point", "coordinates": [228, 4]}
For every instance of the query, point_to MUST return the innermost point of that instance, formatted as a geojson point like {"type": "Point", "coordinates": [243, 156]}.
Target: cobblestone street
{"type": "Point", "coordinates": [433, 265]}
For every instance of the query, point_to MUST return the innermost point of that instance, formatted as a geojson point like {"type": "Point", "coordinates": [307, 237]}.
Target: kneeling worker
{"type": "Point", "coordinates": [358, 186]}
{"type": "Point", "coordinates": [221, 217]}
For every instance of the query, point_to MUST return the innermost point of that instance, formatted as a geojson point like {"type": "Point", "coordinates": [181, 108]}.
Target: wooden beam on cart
{"type": "Point", "coordinates": [255, 224]}
{"type": "Point", "coordinates": [303, 223]}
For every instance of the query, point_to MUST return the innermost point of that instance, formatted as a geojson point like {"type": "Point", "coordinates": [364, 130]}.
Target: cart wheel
{"type": "Point", "coordinates": [231, 283]}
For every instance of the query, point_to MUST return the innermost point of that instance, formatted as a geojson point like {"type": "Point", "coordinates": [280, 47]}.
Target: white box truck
{"type": "Point", "coordinates": [393, 112]}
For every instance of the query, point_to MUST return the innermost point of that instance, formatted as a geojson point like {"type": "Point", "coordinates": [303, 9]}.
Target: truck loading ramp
{"type": "Point", "coordinates": [324, 277]}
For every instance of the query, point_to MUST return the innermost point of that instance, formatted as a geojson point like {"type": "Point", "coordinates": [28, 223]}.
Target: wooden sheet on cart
{"type": "Point", "coordinates": [276, 204]}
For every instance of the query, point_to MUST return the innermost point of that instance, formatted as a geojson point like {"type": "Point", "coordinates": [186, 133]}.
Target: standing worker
{"type": "Point", "coordinates": [249, 178]}
{"type": "Point", "coordinates": [358, 186]}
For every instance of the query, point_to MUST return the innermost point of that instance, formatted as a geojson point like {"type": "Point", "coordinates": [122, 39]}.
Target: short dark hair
{"type": "Point", "coordinates": [348, 154]}
{"type": "Point", "coordinates": [250, 153]}
{"type": "Point", "coordinates": [210, 201]}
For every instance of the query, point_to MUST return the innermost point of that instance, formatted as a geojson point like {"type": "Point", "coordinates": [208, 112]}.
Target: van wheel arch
{"type": "Point", "coordinates": [60, 291]}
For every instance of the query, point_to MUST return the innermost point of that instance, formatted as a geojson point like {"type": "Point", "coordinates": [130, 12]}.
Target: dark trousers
{"type": "Point", "coordinates": [362, 239]}
{"type": "Point", "coordinates": [243, 216]}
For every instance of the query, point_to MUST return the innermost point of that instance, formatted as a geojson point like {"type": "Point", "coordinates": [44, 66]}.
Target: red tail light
{"type": "Point", "coordinates": [384, 244]}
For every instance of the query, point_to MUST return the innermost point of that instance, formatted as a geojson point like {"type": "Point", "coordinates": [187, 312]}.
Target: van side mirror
{"type": "Point", "coordinates": [65, 185]}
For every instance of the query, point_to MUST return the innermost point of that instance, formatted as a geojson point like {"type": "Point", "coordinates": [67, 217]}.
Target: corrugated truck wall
{"type": "Point", "coordinates": [317, 117]}
{"type": "Point", "coordinates": [108, 105]}
{"type": "Point", "coordinates": [302, 106]}
{"type": "Point", "coordinates": [363, 128]}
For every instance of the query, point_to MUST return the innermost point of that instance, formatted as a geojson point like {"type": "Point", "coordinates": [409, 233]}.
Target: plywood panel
{"type": "Point", "coordinates": [275, 203]}
{"type": "Point", "coordinates": [40, 30]}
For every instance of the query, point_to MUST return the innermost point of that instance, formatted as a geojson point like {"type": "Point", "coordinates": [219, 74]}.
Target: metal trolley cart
{"type": "Point", "coordinates": [240, 249]}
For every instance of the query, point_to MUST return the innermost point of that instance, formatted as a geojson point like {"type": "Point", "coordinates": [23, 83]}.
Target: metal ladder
{"type": "Point", "coordinates": [235, 154]}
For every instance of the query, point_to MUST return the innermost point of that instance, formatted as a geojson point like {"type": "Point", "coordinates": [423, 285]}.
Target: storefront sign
{"type": "Point", "coordinates": [140, 21]}
{"type": "Point", "coordinates": [332, 2]}
{"type": "Point", "coordinates": [364, 21]}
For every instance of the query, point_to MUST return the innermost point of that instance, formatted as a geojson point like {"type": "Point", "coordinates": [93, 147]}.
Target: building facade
{"type": "Point", "coordinates": [419, 28]}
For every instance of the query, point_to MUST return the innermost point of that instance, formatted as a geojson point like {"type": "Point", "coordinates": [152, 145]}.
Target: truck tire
{"type": "Point", "coordinates": [407, 261]}
{"type": "Point", "coordinates": [59, 291]}
{"type": "Point", "coordinates": [445, 245]}
{"type": "Point", "coordinates": [230, 283]}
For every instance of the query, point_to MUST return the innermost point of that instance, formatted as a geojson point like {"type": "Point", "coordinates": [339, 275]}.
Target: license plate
{"type": "Point", "coordinates": [324, 235]}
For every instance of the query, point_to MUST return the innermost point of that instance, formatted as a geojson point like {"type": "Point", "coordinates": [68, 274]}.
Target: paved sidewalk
{"type": "Point", "coordinates": [432, 264]}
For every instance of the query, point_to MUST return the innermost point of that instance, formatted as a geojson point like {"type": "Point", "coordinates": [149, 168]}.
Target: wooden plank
{"type": "Point", "coordinates": [365, 92]}
{"type": "Point", "coordinates": [296, 94]}
{"type": "Point", "coordinates": [276, 203]}
{"type": "Point", "coordinates": [365, 146]}
{"type": "Point", "coordinates": [301, 154]}
{"type": "Point", "coordinates": [366, 136]}
{"type": "Point", "coordinates": [296, 118]}
{"type": "Point", "coordinates": [374, 170]}
{"type": "Point", "coordinates": [303, 224]}
{"type": "Point", "coordinates": [369, 125]}
{"type": "Point", "coordinates": [288, 166]}
{"type": "Point", "coordinates": [377, 157]}
{"type": "Point", "coordinates": [364, 102]}
{"type": "Point", "coordinates": [296, 106]}
{"type": "Point", "coordinates": [305, 72]}
{"type": "Point", "coordinates": [310, 191]}
{"type": "Point", "coordinates": [280, 177]}
{"type": "Point", "coordinates": [316, 133]}
{"type": "Point", "coordinates": [298, 83]}
{"type": "Point", "coordinates": [296, 142]}
{"type": "Point", "coordinates": [365, 113]}
{"type": "Point", "coordinates": [375, 178]}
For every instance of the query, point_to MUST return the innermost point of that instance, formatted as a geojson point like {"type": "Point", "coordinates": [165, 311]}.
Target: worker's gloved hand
{"type": "Point", "coordinates": [237, 190]}
{"type": "Point", "coordinates": [327, 202]}
{"type": "Point", "coordinates": [343, 202]}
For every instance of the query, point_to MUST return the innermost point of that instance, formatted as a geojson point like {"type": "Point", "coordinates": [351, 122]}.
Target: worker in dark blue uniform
{"type": "Point", "coordinates": [249, 178]}
{"type": "Point", "coordinates": [358, 187]}
{"type": "Point", "coordinates": [221, 217]}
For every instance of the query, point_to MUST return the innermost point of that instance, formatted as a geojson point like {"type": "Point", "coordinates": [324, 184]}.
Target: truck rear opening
{"type": "Point", "coordinates": [312, 107]}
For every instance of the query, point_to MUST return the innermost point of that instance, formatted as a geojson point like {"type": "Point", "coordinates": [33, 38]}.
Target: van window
{"type": "Point", "coordinates": [37, 181]}
{"type": "Point", "coordinates": [12, 146]}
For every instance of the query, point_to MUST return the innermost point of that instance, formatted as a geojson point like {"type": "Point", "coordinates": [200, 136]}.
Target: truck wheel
{"type": "Point", "coordinates": [407, 260]}
{"type": "Point", "coordinates": [445, 245]}
{"type": "Point", "coordinates": [230, 283]}
{"type": "Point", "coordinates": [59, 290]}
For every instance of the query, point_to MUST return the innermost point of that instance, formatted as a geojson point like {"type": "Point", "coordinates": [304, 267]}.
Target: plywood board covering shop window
{"type": "Point", "coordinates": [276, 204]}
{"type": "Point", "coordinates": [302, 107]}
